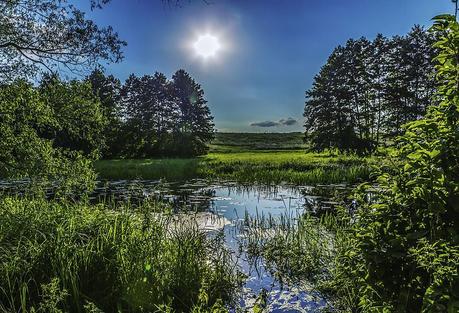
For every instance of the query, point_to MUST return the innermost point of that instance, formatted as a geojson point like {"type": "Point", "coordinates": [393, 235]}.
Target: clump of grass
{"type": "Point", "coordinates": [305, 250]}
{"type": "Point", "coordinates": [169, 169]}
{"type": "Point", "coordinates": [67, 257]}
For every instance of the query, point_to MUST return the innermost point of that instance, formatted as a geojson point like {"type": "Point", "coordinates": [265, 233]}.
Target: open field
{"type": "Point", "coordinates": [233, 142]}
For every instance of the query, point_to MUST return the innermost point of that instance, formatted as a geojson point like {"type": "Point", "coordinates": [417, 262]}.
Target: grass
{"type": "Point", "coordinates": [74, 257]}
{"type": "Point", "coordinates": [308, 250]}
{"type": "Point", "coordinates": [269, 167]}
{"type": "Point", "coordinates": [238, 142]}
{"type": "Point", "coordinates": [169, 169]}
{"type": "Point", "coordinates": [294, 167]}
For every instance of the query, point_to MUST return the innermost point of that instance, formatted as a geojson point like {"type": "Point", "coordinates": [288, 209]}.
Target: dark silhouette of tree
{"type": "Point", "coordinates": [195, 125]}
{"type": "Point", "coordinates": [368, 90]}
{"type": "Point", "coordinates": [51, 35]}
{"type": "Point", "coordinates": [164, 118]}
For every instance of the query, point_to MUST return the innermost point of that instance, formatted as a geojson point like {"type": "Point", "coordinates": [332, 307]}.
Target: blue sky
{"type": "Point", "coordinates": [272, 48]}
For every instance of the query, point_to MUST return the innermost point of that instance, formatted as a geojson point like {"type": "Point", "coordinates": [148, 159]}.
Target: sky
{"type": "Point", "coordinates": [269, 52]}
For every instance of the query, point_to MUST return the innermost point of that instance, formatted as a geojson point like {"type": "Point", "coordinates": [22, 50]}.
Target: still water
{"type": "Point", "coordinates": [231, 203]}
{"type": "Point", "coordinates": [225, 206]}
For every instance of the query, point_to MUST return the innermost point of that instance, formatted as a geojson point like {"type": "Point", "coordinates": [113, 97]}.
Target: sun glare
{"type": "Point", "coordinates": [207, 46]}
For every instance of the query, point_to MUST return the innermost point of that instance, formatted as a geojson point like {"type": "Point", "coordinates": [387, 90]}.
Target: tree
{"type": "Point", "coordinates": [79, 120]}
{"type": "Point", "coordinates": [405, 251]}
{"type": "Point", "coordinates": [195, 125]}
{"type": "Point", "coordinates": [51, 35]}
{"type": "Point", "coordinates": [46, 134]}
{"type": "Point", "coordinates": [368, 90]}
{"type": "Point", "coordinates": [163, 117]}
{"type": "Point", "coordinates": [108, 90]}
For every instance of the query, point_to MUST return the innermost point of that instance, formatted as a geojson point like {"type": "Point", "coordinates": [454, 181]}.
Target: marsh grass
{"type": "Point", "coordinates": [295, 167]}
{"type": "Point", "coordinates": [304, 249]}
{"type": "Point", "coordinates": [275, 167]}
{"type": "Point", "coordinates": [169, 169]}
{"type": "Point", "coordinates": [74, 257]}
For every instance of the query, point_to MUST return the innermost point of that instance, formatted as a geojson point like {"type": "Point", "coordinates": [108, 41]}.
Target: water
{"type": "Point", "coordinates": [231, 202]}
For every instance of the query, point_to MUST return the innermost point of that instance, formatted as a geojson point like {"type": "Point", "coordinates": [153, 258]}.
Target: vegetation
{"type": "Point", "coordinates": [368, 89]}
{"type": "Point", "coordinates": [239, 142]}
{"type": "Point", "coordinates": [157, 117]}
{"type": "Point", "coordinates": [274, 167]}
{"type": "Point", "coordinates": [392, 247]}
{"type": "Point", "coordinates": [399, 251]}
{"type": "Point", "coordinates": [66, 39]}
{"type": "Point", "coordinates": [67, 257]}
{"type": "Point", "coordinates": [42, 135]}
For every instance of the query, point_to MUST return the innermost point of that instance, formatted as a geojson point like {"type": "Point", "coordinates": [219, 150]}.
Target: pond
{"type": "Point", "coordinates": [227, 204]}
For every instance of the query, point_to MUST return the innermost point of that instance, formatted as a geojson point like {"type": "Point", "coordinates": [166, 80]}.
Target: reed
{"type": "Point", "coordinates": [275, 167]}
{"type": "Point", "coordinates": [74, 257]}
{"type": "Point", "coordinates": [304, 249]}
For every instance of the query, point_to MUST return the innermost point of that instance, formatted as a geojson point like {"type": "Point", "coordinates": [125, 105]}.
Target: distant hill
{"type": "Point", "coordinates": [227, 142]}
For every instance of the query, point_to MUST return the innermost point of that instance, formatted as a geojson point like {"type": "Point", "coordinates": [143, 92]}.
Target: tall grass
{"type": "Point", "coordinates": [169, 169]}
{"type": "Point", "coordinates": [71, 257]}
{"type": "Point", "coordinates": [287, 167]}
{"type": "Point", "coordinates": [295, 167]}
{"type": "Point", "coordinates": [305, 250]}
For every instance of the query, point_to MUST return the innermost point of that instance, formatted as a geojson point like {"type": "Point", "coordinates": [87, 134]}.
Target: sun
{"type": "Point", "coordinates": [207, 46]}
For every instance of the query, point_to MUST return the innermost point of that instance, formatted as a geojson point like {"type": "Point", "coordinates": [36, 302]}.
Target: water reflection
{"type": "Point", "coordinates": [233, 203]}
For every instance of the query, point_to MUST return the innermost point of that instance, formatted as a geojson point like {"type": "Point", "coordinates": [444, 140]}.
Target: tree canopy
{"type": "Point", "coordinates": [51, 35]}
{"type": "Point", "coordinates": [158, 116]}
{"type": "Point", "coordinates": [368, 89]}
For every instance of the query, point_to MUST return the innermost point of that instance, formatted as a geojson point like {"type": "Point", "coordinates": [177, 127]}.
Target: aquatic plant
{"type": "Point", "coordinates": [75, 257]}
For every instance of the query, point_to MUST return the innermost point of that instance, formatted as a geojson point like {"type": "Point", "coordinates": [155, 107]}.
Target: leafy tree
{"type": "Point", "coordinates": [405, 255]}
{"type": "Point", "coordinates": [108, 90]}
{"type": "Point", "coordinates": [42, 137]}
{"type": "Point", "coordinates": [195, 124]}
{"type": "Point", "coordinates": [163, 117]}
{"type": "Point", "coordinates": [79, 119]}
{"type": "Point", "coordinates": [51, 35]}
{"type": "Point", "coordinates": [368, 90]}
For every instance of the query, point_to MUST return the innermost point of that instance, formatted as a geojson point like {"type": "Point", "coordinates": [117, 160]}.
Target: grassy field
{"type": "Point", "coordinates": [238, 142]}
{"type": "Point", "coordinates": [294, 167]}
{"type": "Point", "coordinates": [270, 158]}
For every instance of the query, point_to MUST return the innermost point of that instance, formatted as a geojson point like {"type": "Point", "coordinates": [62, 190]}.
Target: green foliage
{"type": "Point", "coordinates": [407, 237]}
{"type": "Point", "coordinates": [108, 90]}
{"type": "Point", "coordinates": [368, 89]}
{"type": "Point", "coordinates": [42, 137]}
{"type": "Point", "coordinates": [66, 257]}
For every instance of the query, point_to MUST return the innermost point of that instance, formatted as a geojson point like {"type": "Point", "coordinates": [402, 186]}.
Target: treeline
{"type": "Point", "coordinates": [152, 116]}
{"type": "Point", "coordinates": [368, 89]}
{"type": "Point", "coordinates": [49, 127]}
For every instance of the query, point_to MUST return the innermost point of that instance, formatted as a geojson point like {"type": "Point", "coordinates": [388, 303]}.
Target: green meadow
{"type": "Point", "coordinates": [249, 158]}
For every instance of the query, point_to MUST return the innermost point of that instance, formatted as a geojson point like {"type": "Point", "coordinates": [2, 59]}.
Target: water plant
{"type": "Point", "coordinates": [75, 257]}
